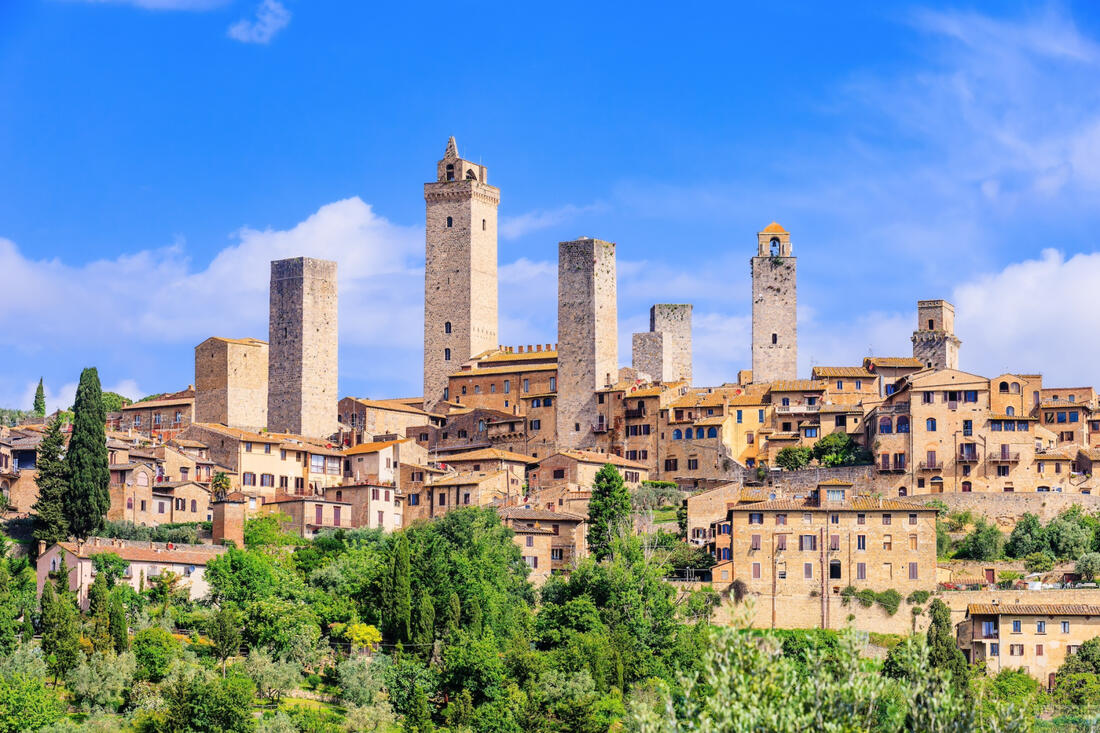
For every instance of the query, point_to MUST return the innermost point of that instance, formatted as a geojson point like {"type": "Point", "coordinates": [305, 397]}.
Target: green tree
{"type": "Point", "coordinates": [88, 498]}
{"type": "Point", "coordinates": [1039, 562]}
{"type": "Point", "coordinates": [51, 524]}
{"type": "Point", "coordinates": [608, 511]}
{"type": "Point", "coordinates": [220, 485]}
{"type": "Point", "coordinates": [114, 402]}
{"type": "Point", "coordinates": [839, 449]}
{"type": "Point", "coordinates": [9, 610]}
{"type": "Point", "coordinates": [198, 704]}
{"type": "Point", "coordinates": [1027, 537]}
{"type": "Point", "coordinates": [1076, 691]}
{"type": "Point", "coordinates": [454, 614]}
{"type": "Point", "coordinates": [399, 591]}
{"type": "Point", "coordinates": [224, 630]}
{"type": "Point", "coordinates": [119, 629]}
{"type": "Point", "coordinates": [943, 540]}
{"type": "Point", "coordinates": [26, 704]}
{"type": "Point", "coordinates": [1088, 566]}
{"type": "Point", "coordinates": [1087, 659]}
{"type": "Point", "coordinates": [985, 542]}
{"type": "Point", "coordinates": [682, 519]}
{"type": "Point", "coordinates": [419, 717]}
{"type": "Point", "coordinates": [39, 408]}
{"type": "Point", "coordinates": [1068, 538]}
{"type": "Point", "coordinates": [60, 634]}
{"type": "Point", "coordinates": [943, 652]}
{"type": "Point", "coordinates": [792, 458]}
{"type": "Point", "coordinates": [425, 625]}
{"type": "Point", "coordinates": [99, 615]}
{"type": "Point", "coordinates": [100, 681]}
{"type": "Point", "coordinates": [110, 565]}
{"type": "Point", "coordinates": [362, 679]}
{"type": "Point", "coordinates": [154, 649]}
{"type": "Point", "coordinates": [272, 677]}
{"type": "Point", "coordinates": [652, 495]}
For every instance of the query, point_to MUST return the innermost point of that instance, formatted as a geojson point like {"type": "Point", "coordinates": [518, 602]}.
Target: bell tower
{"type": "Point", "coordinates": [774, 307]}
{"type": "Point", "coordinates": [460, 270]}
{"type": "Point", "coordinates": [934, 341]}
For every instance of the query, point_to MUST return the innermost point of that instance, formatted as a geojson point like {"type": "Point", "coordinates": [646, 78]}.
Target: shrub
{"type": "Point", "coordinates": [793, 458]}
{"type": "Point", "coordinates": [889, 599]}
{"type": "Point", "coordinates": [917, 597]}
{"type": "Point", "coordinates": [1039, 562]}
{"type": "Point", "coordinates": [154, 649]}
{"type": "Point", "coordinates": [866, 597]}
{"type": "Point", "coordinates": [846, 594]}
{"type": "Point", "coordinates": [984, 543]}
{"type": "Point", "coordinates": [1088, 566]}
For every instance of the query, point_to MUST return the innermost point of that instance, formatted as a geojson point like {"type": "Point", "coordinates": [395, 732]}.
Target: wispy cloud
{"type": "Point", "coordinates": [513, 227]}
{"type": "Point", "coordinates": [164, 4]}
{"type": "Point", "coordinates": [271, 17]}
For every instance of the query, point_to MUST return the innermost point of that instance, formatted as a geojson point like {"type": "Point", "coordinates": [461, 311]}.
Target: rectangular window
{"type": "Point", "coordinates": [861, 571]}
{"type": "Point", "coordinates": [318, 513]}
{"type": "Point", "coordinates": [1015, 650]}
{"type": "Point", "coordinates": [756, 571]}
{"type": "Point", "coordinates": [781, 542]}
{"type": "Point", "coordinates": [807, 542]}
{"type": "Point", "coordinates": [834, 542]}
{"type": "Point", "coordinates": [994, 650]}
{"type": "Point", "coordinates": [913, 571]}
{"type": "Point", "coordinates": [693, 464]}
{"type": "Point", "coordinates": [887, 542]}
{"type": "Point", "coordinates": [738, 416]}
{"type": "Point", "coordinates": [336, 516]}
{"type": "Point", "coordinates": [912, 542]}
{"type": "Point", "coordinates": [507, 386]}
{"type": "Point", "coordinates": [1038, 650]}
{"type": "Point", "coordinates": [780, 519]}
{"type": "Point", "coordinates": [755, 542]}
{"type": "Point", "coordinates": [808, 570]}
{"type": "Point", "coordinates": [756, 518]}
{"type": "Point", "coordinates": [442, 499]}
{"type": "Point", "coordinates": [1065, 627]}
{"type": "Point", "coordinates": [1040, 627]}
{"type": "Point", "coordinates": [760, 416]}
{"type": "Point", "coordinates": [247, 447]}
{"type": "Point", "coordinates": [912, 518]}
{"type": "Point", "coordinates": [526, 386]}
{"type": "Point", "coordinates": [248, 479]}
{"type": "Point", "coordinates": [811, 432]}
{"type": "Point", "coordinates": [861, 542]}
{"type": "Point", "coordinates": [886, 518]}
{"type": "Point", "coordinates": [559, 473]}
{"type": "Point", "coordinates": [1017, 626]}
{"type": "Point", "coordinates": [414, 499]}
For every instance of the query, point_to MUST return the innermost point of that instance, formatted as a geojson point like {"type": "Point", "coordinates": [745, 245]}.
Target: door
{"type": "Point", "coordinates": [990, 575]}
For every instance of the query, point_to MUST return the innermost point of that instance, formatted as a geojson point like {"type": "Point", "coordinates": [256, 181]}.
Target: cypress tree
{"type": "Point", "coordinates": [117, 624]}
{"type": "Point", "coordinates": [99, 611]}
{"type": "Point", "coordinates": [608, 510]}
{"type": "Point", "coordinates": [418, 719]}
{"type": "Point", "coordinates": [40, 400]}
{"type": "Point", "coordinates": [50, 522]}
{"type": "Point", "coordinates": [454, 614]}
{"type": "Point", "coordinates": [60, 636]}
{"type": "Point", "coordinates": [8, 612]}
{"type": "Point", "coordinates": [402, 590]}
{"type": "Point", "coordinates": [425, 625]}
{"type": "Point", "coordinates": [942, 649]}
{"type": "Point", "coordinates": [88, 499]}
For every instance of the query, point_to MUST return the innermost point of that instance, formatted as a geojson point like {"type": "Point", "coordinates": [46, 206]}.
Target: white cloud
{"type": "Point", "coordinates": [271, 17]}
{"type": "Point", "coordinates": [513, 227]}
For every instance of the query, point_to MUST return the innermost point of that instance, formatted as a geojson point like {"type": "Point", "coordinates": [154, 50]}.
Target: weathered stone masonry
{"type": "Point", "coordinates": [664, 352]}
{"type": "Point", "coordinates": [774, 307]}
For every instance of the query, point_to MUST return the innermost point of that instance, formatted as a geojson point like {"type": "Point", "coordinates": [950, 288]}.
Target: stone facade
{"type": "Point", "coordinates": [231, 382]}
{"type": "Point", "coordinates": [588, 352]}
{"type": "Point", "coordinates": [934, 342]}
{"type": "Point", "coordinates": [664, 352]}
{"type": "Point", "coordinates": [460, 273]}
{"type": "Point", "coordinates": [303, 365]}
{"type": "Point", "coordinates": [228, 523]}
{"type": "Point", "coordinates": [774, 307]}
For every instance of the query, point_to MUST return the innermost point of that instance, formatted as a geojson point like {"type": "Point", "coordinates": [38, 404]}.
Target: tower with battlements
{"type": "Point", "coordinates": [460, 272]}
{"type": "Point", "coordinates": [588, 325]}
{"type": "Point", "coordinates": [302, 348]}
{"type": "Point", "coordinates": [774, 307]}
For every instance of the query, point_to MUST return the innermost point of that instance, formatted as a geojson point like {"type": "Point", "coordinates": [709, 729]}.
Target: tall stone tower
{"type": "Point", "coordinates": [934, 341]}
{"type": "Point", "coordinates": [664, 352]}
{"type": "Point", "coordinates": [774, 307]}
{"type": "Point", "coordinates": [460, 272]}
{"type": "Point", "coordinates": [588, 335]}
{"type": "Point", "coordinates": [302, 364]}
{"type": "Point", "coordinates": [231, 382]}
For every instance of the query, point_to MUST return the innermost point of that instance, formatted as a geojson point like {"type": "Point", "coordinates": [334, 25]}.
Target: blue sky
{"type": "Point", "coordinates": [155, 154]}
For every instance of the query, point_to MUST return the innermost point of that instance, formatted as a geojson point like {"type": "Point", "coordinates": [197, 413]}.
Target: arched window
{"type": "Point", "coordinates": [903, 424]}
{"type": "Point", "coordinates": [447, 327]}
{"type": "Point", "coordinates": [775, 246]}
{"type": "Point", "coordinates": [1010, 410]}
{"type": "Point", "coordinates": [885, 426]}
{"type": "Point", "coordinates": [447, 354]}
{"type": "Point", "coordinates": [142, 478]}
{"type": "Point", "coordinates": [902, 491]}
{"type": "Point", "coordinates": [712, 432]}
{"type": "Point", "coordinates": [930, 424]}
{"type": "Point", "coordinates": [676, 434]}
{"type": "Point", "coordinates": [967, 487]}
{"type": "Point", "coordinates": [470, 175]}
{"type": "Point", "coordinates": [194, 505]}
{"type": "Point", "coordinates": [450, 172]}
{"type": "Point", "coordinates": [1003, 389]}
{"type": "Point", "coordinates": [482, 225]}
{"type": "Point", "coordinates": [450, 222]}
{"type": "Point", "coordinates": [1015, 387]}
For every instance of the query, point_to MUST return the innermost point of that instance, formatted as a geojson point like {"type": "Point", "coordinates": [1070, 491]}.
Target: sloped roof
{"type": "Point", "coordinates": [489, 454]}
{"type": "Point", "coordinates": [145, 554]}
{"type": "Point", "coordinates": [1033, 609]}
{"type": "Point", "coordinates": [894, 362]}
{"type": "Point", "coordinates": [842, 371]}
{"type": "Point", "coordinates": [538, 515]}
{"type": "Point", "coordinates": [851, 504]}
{"type": "Point", "coordinates": [465, 479]}
{"type": "Point", "coordinates": [585, 456]}
{"type": "Point", "coordinates": [364, 448]}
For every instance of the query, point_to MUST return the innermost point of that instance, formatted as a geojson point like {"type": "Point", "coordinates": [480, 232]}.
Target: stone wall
{"type": "Point", "coordinates": [231, 382]}
{"type": "Point", "coordinates": [587, 336]}
{"type": "Point", "coordinates": [664, 352]}
{"type": "Point", "coordinates": [303, 365]}
{"type": "Point", "coordinates": [1006, 509]}
{"type": "Point", "coordinates": [460, 274]}
{"type": "Point", "coordinates": [648, 354]}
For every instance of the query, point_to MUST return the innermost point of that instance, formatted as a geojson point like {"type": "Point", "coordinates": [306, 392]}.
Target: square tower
{"type": "Point", "coordinates": [302, 366]}
{"type": "Point", "coordinates": [460, 270]}
{"type": "Point", "coordinates": [774, 307]}
{"type": "Point", "coordinates": [934, 341]}
{"type": "Point", "coordinates": [664, 352]}
{"type": "Point", "coordinates": [231, 382]}
{"type": "Point", "coordinates": [588, 335]}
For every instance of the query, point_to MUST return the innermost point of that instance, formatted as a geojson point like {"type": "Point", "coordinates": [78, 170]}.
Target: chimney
{"type": "Point", "coordinates": [538, 347]}
{"type": "Point", "coordinates": [529, 348]}
{"type": "Point", "coordinates": [520, 349]}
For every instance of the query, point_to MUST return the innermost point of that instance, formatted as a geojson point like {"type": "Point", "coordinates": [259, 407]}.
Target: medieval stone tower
{"type": "Point", "coordinates": [588, 335]}
{"type": "Point", "coordinates": [460, 273]}
{"type": "Point", "coordinates": [774, 307]}
{"type": "Point", "coordinates": [664, 352]}
{"type": "Point", "coordinates": [302, 363]}
{"type": "Point", "coordinates": [934, 341]}
{"type": "Point", "coordinates": [231, 382]}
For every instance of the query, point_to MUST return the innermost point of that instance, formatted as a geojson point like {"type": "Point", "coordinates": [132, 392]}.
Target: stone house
{"type": "Point", "coordinates": [162, 418]}
{"type": "Point", "coordinates": [1035, 638]}
{"type": "Point", "coordinates": [378, 463]}
{"type": "Point", "coordinates": [308, 516]}
{"type": "Point", "coordinates": [848, 385]}
{"type": "Point", "coordinates": [797, 555]}
{"type": "Point", "coordinates": [470, 429]}
{"type": "Point", "coordinates": [890, 369]}
{"type": "Point", "coordinates": [460, 490]}
{"type": "Point", "coordinates": [627, 420]}
{"type": "Point", "coordinates": [147, 560]}
{"type": "Point", "coordinates": [567, 533]}
{"type": "Point", "coordinates": [535, 545]}
{"type": "Point", "coordinates": [364, 421]}
{"type": "Point", "coordinates": [372, 507]}
{"type": "Point", "coordinates": [489, 460]}
{"type": "Point", "coordinates": [706, 432]}
{"type": "Point", "coordinates": [504, 378]}
{"type": "Point", "coordinates": [231, 382]}
{"type": "Point", "coordinates": [578, 469]}
{"type": "Point", "coordinates": [413, 480]}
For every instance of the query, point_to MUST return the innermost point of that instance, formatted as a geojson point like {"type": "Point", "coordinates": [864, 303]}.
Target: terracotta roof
{"type": "Point", "coordinates": [1055, 455]}
{"type": "Point", "coordinates": [833, 407]}
{"type": "Point", "coordinates": [145, 554]}
{"type": "Point", "coordinates": [893, 362]}
{"type": "Point", "coordinates": [1011, 417]}
{"type": "Point", "coordinates": [719, 395]}
{"type": "Point", "coordinates": [854, 372]}
{"type": "Point", "coordinates": [243, 342]}
{"type": "Point", "coordinates": [585, 456]}
{"type": "Point", "coordinates": [851, 504]}
{"type": "Point", "coordinates": [423, 467]}
{"type": "Point", "coordinates": [506, 370]}
{"type": "Point", "coordinates": [1063, 404]}
{"type": "Point", "coordinates": [500, 356]}
{"type": "Point", "coordinates": [177, 484]}
{"type": "Point", "coordinates": [774, 228]}
{"type": "Point", "coordinates": [288, 498]}
{"type": "Point", "coordinates": [835, 482]}
{"type": "Point", "coordinates": [465, 479]}
{"type": "Point", "coordinates": [489, 454]}
{"type": "Point", "coordinates": [713, 420]}
{"type": "Point", "coordinates": [1092, 453]}
{"type": "Point", "coordinates": [364, 448]}
{"type": "Point", "coordinates": [1033, 609]}
{"type": "Point", "coordinates": [538, 515]}
{"type": "Point", "coordinates": [797, 385]}
{"type": "Point", "coordinates": [183, 397]}
{"type": "Point", "coordinates": [245, 435]}
{"type": "Point", "coordinates": [186, 443]}
{"type": "Point", "coordinates": [393, 405]}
